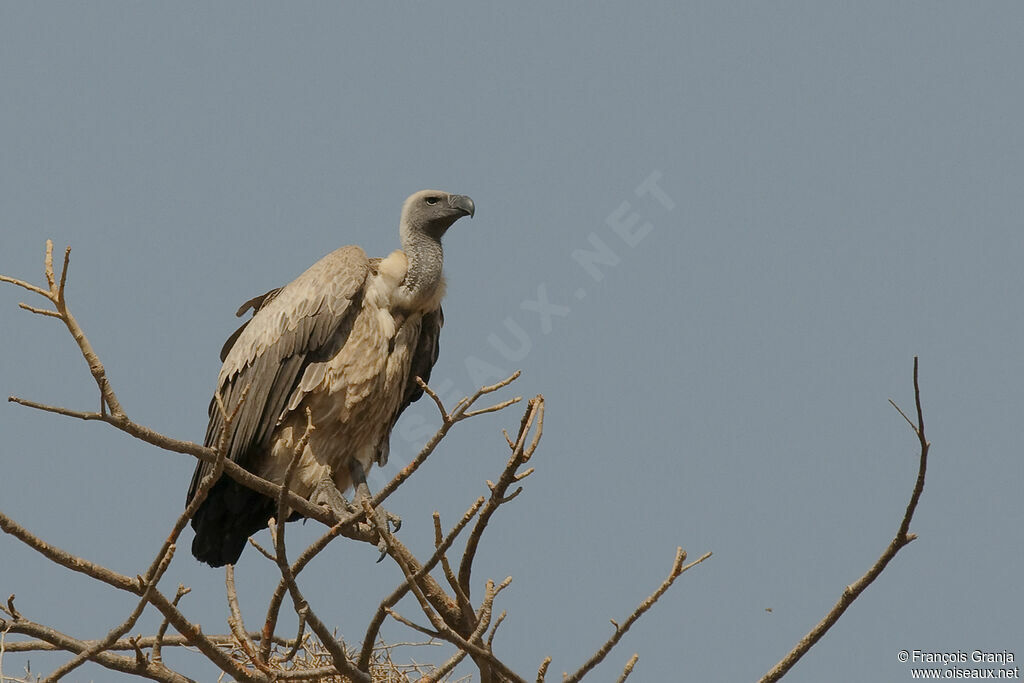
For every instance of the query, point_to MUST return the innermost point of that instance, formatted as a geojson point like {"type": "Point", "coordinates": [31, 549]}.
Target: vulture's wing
{"type": "Point", "coordinates": [423, 360]}
{"type": "Point", "coordinates": [426, 355]}
{"type": "Point", "coordinates": [304, 322]}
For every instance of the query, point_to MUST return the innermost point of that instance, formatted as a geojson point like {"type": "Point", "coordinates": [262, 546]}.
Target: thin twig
{"type": "Point", "coordinates": [445, 417]}
{"type": "Point", "coordinates": [491, 409]}
{"type": "Point", "coordinates": [294, 649]}
{"type": "Point", "coordinates": [494, 629]}
{"type": "Point", "coordinates": [413, 625]}
{"type": "Point", "coordinates": [235, 621]}
{"type": "Point", "coordinates": [261, 550]}
{"type": "Point", "coordinates": [11, 610]}
{"type": "Point", "coordinates": [629, 668]}
{"type": "Point", "coordinates": [25, 285]}
{"type": "Point", "coordinates": [446, 568]}
{"type": "Point", "coordinates": [80, 414]}
{"type": "Point", "coordinates": [40, 311]}
{"type": "Point", "coordinates": [158, 642]}
{"type": "Point", "coordinates": [542, 671]}
{"type": "Point", "coordinates": [48, 266]}
{"type": "Point", "coordinates": [63, 274]}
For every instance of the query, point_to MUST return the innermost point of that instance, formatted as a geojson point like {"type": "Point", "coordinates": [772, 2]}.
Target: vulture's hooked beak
{"type": "Point", "coordinates": [462, 203]}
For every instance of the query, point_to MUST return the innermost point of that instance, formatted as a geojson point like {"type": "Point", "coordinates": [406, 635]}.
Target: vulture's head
{"type": "Point", "coordinates": [432, 212]}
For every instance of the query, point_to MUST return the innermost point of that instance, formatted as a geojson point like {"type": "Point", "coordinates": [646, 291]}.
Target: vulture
{"type": "Point", "coordinates": [345, 340]}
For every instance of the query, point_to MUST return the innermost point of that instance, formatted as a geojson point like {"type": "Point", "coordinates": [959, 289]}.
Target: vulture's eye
{"type": "Point", "coordinates": [431, 200]}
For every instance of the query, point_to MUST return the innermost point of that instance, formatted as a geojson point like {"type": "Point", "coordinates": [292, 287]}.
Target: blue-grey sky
{"type": "Point", "coordinates": [839, 189]}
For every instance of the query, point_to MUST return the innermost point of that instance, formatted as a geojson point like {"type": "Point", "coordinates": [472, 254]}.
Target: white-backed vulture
{"type": "Point", "coordinates": [346, 339]}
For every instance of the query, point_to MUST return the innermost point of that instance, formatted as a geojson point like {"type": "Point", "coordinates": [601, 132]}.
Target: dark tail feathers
{"type": "Point", "coordinates": [225, 521]}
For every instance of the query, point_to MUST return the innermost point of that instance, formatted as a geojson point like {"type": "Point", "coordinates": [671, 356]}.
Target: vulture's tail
{"type": "Point", "coordinates": [225, 521]}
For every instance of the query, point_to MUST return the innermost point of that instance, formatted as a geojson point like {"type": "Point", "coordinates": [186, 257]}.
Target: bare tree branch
{"type": "Point", "coordinates": [391, 600]}
{"type": "Point", "coordinates": [447, 421]}
{"type": "Point", "coordinates": [116, 416]}
{"type": "Point", "coordinates": [307, 555]}
{"type": "Point", "coordinates": [453, 617]}
{"type": "Point", "coordinates": [122, 582]}
{"type": "Point", "coordinates": [119, 630]}
{"type": "Point", "coordinates": [620, 630]}
{"type": "Point", "coordinates": [163, 556]}
{"type": "Point", "coordinates": [40, 311]}
{"type": "Point", "coordinates": [520, 454]}
{"type": "Point", "coordinates": [443, 670]}
{"type": "Point", "coordinates": [465, 404]}
{"type": "Point", "coordinates": [443, 629]}
{"type": "Point", "coordinates": [59, 641]}
{"type": "Point", "coordinates": [231, 468]}
{"type": "Point", "coordinates": [66, 559]}
{"type": "Point", "coordinates": [146, 642]}
{"type": "Point", "coordinates": [898, 542]}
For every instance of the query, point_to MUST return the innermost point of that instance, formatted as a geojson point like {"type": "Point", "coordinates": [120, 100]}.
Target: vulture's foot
{"type": "Point", "coordinates": [395, 520]}
{"type": "Point", "coordinates": [384, 518]}
{"type": "Point", "coordinates": [328, 495]}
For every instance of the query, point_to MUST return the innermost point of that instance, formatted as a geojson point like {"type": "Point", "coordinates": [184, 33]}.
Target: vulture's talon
{"type": "Point", "coordinates": [389, 522]}
{"type": "Point", "coordinates": [382, 518]}
{"type": "Point", "coordinates": [327, 495]}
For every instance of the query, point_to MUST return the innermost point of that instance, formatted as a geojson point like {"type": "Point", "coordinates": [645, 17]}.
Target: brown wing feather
{"type": "Point", "coordinates": [255, 303]}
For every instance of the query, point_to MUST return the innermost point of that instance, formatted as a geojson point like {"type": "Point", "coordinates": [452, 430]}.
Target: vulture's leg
{"type": "Point", "coordinates": [384, 518]}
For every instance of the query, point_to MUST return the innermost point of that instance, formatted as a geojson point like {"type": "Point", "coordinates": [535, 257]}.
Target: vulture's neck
{"type": "Point", "coordinates": [426, 264]}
